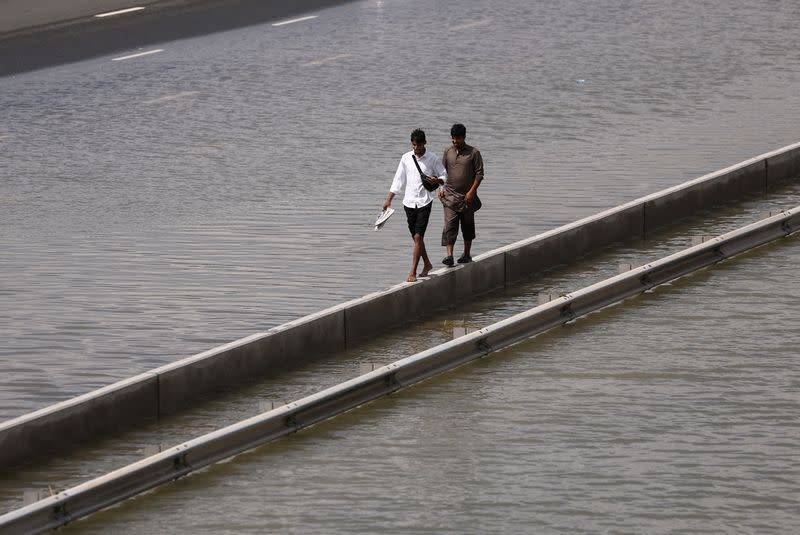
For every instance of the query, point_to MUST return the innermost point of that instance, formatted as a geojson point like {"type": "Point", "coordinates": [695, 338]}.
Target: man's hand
{"type": "Point", "coordinates": [440, 191]}
{"type": "Point", "coordinates": [469, 197]}
{"type": "Point", "coordinates": [388, 202]}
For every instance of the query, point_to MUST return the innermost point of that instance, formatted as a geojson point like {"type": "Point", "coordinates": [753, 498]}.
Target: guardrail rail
{"type": "Point", "coordinates": [184, 458]}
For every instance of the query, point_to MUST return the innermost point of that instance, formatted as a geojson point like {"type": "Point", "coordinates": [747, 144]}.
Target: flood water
{"type": "Point", "coordinates": [153, 208]}
{"type": "Point", "coordinates": [660, 415]}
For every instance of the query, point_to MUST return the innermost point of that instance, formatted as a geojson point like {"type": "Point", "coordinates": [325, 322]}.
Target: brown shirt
{"type": "Point", "coordinates": [463, 168]}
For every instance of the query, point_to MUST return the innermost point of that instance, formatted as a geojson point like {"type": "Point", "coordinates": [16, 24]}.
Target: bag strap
{"type": "Point", "coordinates": [421, 174]}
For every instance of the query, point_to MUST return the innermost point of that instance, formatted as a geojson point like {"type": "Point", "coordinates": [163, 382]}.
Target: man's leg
{"type": "Point", "coordinates": [468, 233]}
{"type": "Point", "coordinates": [423, 216]}
{"type": "Point", "coordinates": [411, 217]}
{"type": "Point", "coordinates": [449, 234]}
{"type": "Point", "coordinates": [426, 262]}
{"type": "Point", "coordinates": [415, 255]}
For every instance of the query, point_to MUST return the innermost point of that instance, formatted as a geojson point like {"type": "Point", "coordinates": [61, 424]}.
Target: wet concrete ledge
{"type": "Point", "coordinates": [169, 388]}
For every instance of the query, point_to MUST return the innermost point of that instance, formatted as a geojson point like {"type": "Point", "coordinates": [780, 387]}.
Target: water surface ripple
{"type": "Point", "coordinates": [152, 209]}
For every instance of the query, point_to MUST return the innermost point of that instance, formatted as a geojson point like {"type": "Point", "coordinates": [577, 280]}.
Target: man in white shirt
{"type": "Point", "coordinates": [417, 200]}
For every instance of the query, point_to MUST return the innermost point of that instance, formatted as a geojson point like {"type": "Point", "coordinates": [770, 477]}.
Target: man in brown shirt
{"type": "Point", "coordinates": [464, 166]}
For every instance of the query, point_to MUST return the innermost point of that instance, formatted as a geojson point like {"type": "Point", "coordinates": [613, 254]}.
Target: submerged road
{"type": "Point", "coordinates": [159, 199]}
{"type": "Point", "coordinates": [34, 35]}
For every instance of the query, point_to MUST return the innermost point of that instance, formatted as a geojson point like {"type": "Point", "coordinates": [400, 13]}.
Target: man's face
{"type": "Point", "coordinates": [418, 146]}
{"type": "Point", "coordinates": [458, 142]}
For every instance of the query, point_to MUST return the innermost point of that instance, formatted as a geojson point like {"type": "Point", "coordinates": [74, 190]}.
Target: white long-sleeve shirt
{"type": "Point", "coordinates": [408, 182]}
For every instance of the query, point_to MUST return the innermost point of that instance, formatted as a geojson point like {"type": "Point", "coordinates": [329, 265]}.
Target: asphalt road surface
{"type": "Point", "coordinates": [21, 15]}
{"type": "Point", "coordinates": [52, 32]}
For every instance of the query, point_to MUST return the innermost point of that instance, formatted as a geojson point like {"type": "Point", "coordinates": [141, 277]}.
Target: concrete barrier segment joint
{"type": "Point", "coordinates": [60, 513]}
{"type": "Point", "coordinates": [646, 281]}
{"type": "Point", "coordinates": [179, 462]}
{"type": "Point", "coordinates": [393, 382]}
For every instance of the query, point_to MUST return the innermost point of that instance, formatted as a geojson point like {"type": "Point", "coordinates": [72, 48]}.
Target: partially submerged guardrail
{"type": "Point", "coordinates": [168, 388]}
{"type": "Point", "coordinates": [180, 460]}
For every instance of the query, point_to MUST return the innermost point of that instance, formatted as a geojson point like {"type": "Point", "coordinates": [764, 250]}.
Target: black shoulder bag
{"type": "Point", "coordinates": [427, 181]}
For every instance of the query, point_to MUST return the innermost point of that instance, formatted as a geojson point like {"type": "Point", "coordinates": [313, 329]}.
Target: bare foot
{"type": "Point", "coordinates": [426, 269]}
{"type": "Point", "coordinates": [412, 277]}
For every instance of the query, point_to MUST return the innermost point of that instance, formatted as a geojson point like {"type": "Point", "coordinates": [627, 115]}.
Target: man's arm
{"type": "Point", "coordinates": [443, 163]}
{"type": "Point", "coordinates": [398, 184]}
{"type": "Point", "coordinates": [440, 171]}
{"type": "Point", "coordinates": [477, 166]}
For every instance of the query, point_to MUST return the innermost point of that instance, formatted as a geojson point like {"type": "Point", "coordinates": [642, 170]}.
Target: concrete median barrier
{"type": "Point", "coordinates": [569, 243]}
{"type": "Point", "coordinates": [666, 207]}
{"type": "Point", "coordinates": [184, 458]}
{"type": "Point", "coordinates": [100, 412]}
{"type": "Point", "coordinates": [282, 348]}
{"type": "Point", "coordinates": [169, 388]}
{"type": "Point", "coordinates": [783, 166]}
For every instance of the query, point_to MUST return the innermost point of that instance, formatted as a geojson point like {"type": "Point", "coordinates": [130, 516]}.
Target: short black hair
{"type": "Point", "coordinates": [458, 130]}
{"type": "Point", "coordinates": [418, 135]}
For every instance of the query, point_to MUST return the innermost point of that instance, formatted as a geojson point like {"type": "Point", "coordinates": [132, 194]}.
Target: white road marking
{"type": "Point", "coordinates": [475, 24]}
{"type": "Point", "coordinates": [140, 54]}
{"type": "Point", "coordinates": [119, 12]}
{"type": "Point", "coordinates": [170, 97]}
{"type": "Point", "coordinates": [301, 19]}
{"type": "Point", "coordinates": [330, 59]}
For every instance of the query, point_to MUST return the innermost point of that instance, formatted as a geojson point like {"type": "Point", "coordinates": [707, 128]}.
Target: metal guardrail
{"type": "Point", "coordinates": [172, 387]}
{"type": "Point", "coordinates": [180, 460]}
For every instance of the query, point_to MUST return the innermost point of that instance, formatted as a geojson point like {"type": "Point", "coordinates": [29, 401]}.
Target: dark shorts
{"type": "Point", "coordinates": [418, 219]}
{"type": "Point", "coordinates": [452, 220]}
